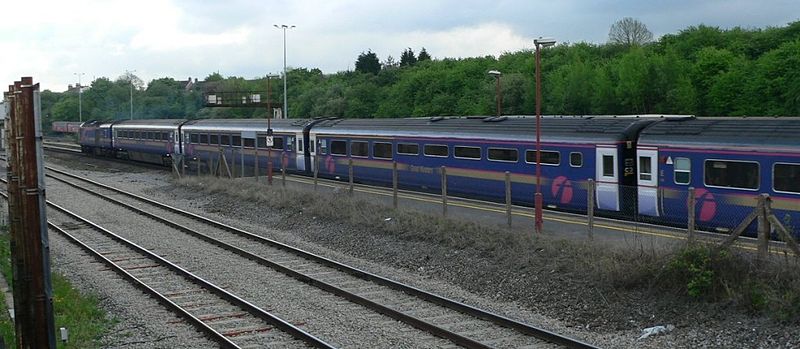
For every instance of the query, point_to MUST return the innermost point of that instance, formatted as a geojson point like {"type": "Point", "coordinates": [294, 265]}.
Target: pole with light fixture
{"type": "Point", "coordinates": [269, 140]}
{"type": "Point", "coordinates": [80, 95]}
{"type": "Point", "coordinates": [539, 43]}
{"type": "Point", "coordinates": [285, 106]}
{"type": "Point", "coordinates": [130, 80]}
{"type": "Point", "coordinates": [497, 96]}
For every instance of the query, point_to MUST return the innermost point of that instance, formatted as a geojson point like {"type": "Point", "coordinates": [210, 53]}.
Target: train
{"type": "Point", "coordinates": [66, 126]}
{"type": "Point", "coordinates": [638, 166]}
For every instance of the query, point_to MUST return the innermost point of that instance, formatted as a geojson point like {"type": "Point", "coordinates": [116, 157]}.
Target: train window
{"type": "Point", "coordinates": [193, 138]}
{"type": "Point", "coordinates": [300, 146]}
{"type": "Point", "coordinates": [548, 157]}
{"type": "Point", "coordinates": [731, 174]}
{"type": "Point", "coordinates": [323, 146]}
{"type": "Point", "coordinates": [249, 142]}
{"type": "Point", "coordinates": [645, 168]}
{"type": "Point", "coordinates": [289, 143]}
{"type": "Point", "coordinates": [407, 149]}
{"type": "Point", "coordinates": [382, 150]}
{"type": "Point", "coordinates": [224, 139]}
{"type": "Point", "coordinates": [784, 177]}
{"type": "Point", "coordinates": [203, 139]}
{"type": "Point", "coordinates": [503, 154]}
{"type": "Point", "coordinates": [682, 171]}
{"type": "Point", "coordinates": [608, 166]}
{"type": "Point", "coordinates": [576, 159]}
{"type": "Point", "coordinates": [236, 141]}
{"type": "Point", "coordinates": [214, 139]}
{"type": "Point", "coordinates": [467, 152]}
{"type": "Point", "coordinates": [339, 147]}
{"type": "Point", "coordinates": [136, 134]}
{"type": "Point", "coordinates": [277, 142]}
{"type": "Point", "coordinates": [436, 150]}
{"type": "Point", "coordinates": [359, 148]}
{"type": "Point", "coordinates": [152, 135]}
{"type": "Point", "coordinates": [262, 141]}
{"type": "Point", "coordinates": [165, 136]}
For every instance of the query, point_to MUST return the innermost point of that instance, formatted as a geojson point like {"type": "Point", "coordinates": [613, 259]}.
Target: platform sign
{"type": "Point", "coordinates": [270, 142]}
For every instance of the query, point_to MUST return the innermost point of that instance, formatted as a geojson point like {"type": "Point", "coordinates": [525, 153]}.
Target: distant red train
{"type": "Point", "coordinates": [66, 126]}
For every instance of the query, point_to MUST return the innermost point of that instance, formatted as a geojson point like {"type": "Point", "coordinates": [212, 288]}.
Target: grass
{"type": "Point", "coordinates": [696, 274]}
{"type": "Point", "coordinates": [80, 314]}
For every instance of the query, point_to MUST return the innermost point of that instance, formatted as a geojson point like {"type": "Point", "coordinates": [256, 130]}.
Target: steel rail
{"type": "Point", "coordinates": [425, 295]}
{"type": "Point", "coordinates": [220, 292]}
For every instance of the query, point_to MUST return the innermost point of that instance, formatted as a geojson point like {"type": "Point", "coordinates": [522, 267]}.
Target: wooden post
{"type": "Point", "coordinates": [350, 174]}
{"type": "Point", "coordinates": [444, 191]}
{"type": "Point", "coordinates": [590, 191]}
{"type": "Point", "coordinates": [255, 165]}
{"type": "Point", "coordinates": [691, 203]}
{"type": "Point", "coordinates": [175, 167]}
{"type": "Point", "coordinates": [316, 171]}
{"type": "Point", "coordinates": [508, 198]}
{"type": "Point", "coordinates": [269, 165]}
{"type": "Point", "coordinates": [283, 170]}
{"type": "Point", "coordinates": [394, 184]}
{"type": "Point", "coordinates": [763, 226]}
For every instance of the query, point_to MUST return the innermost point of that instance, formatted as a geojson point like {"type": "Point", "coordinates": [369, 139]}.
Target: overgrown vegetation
{"type": "Point", "coordinates": [697, 274]}
{"type": "Point", "coordinates": [78, 313]}
{"type": "Point", "coordinates": [700, 70]}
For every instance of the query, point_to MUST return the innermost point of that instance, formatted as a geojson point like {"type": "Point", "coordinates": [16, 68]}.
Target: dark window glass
{"type": "Point", "coordinates": [785, 177]}
{"type": "Point", "coordinates": [136, 134]}
{"type": "Point", "coordinates": [733, 174]}
{"type": "Point", "coordinates": [225, 140]}
{"type": "Point", "coordinates": [467, 152]}
{"type": "Point", "coordinates": [193, 137]}
{"type": "Point", "coordinates": [339, 147]}
{"type": "Point", "coordinates": [502, 154]}
{"type": "Point", "coordinates": [608, 166]}
{"type": "Point", "coordinates": [237, 141]}
{"type": "Point", "coordinates": [151, 135]}
{"type": "Point", "coordinates": [548, 157]}
{"type": "Point", "coordinates": [203, 139]}
{"type": "Point", "coordinates": [249, 142]}
{"type": "Point", "coordinates": [645, 168]}
{"type": "Point", "coordinates": [407, 149]}
{"type": "Point", "coordinates": [214, 139]}
{"type": "Point", "coordinates": [382, 150]}
{"type": "Point", "coordinates": [576, 159]}
{"type": "Point", "coordinates": [435, 150]}
{"type": "Point", "coordinates": [358, 148]}
{"type": "Point", "coordinates": [683, 170]}
{"type": "Point", "coordinates": [277, 142]}
{"type": "Point", "coordinates": [165, 136]}
{"type": "Point", "coordinates": [262, 141]}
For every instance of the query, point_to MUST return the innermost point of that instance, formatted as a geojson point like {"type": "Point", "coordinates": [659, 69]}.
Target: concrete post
{"type": "Point", "coordinates": [590, 191]}
{"type": "Point", "coordinates": [444, 191]}
{"type": "Point", "coordinates": [394, 184]}
{"type": "Point", "coordinates": [350, 173]}
{"type": "Point", "coordinates": [691, 203]}
{"type": "Point", "coordinates": [508, 198]}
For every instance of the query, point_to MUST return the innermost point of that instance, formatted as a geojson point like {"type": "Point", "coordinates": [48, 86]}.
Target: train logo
{"type": "Point", "coordinates": [562, 189]}
{"type": "Point", "coordinates": [706, 204]}
{"type": "Point", "coordinates": [330, 164]}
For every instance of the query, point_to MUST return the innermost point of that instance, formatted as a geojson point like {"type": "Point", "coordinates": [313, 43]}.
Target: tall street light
{"type": "Point", "coordinates": [539, 43]}
{"type": "Point", "coordinates": [130, 80]}
{"type": "Point", "coordinates": [285, 106]}
{"type": "Point", "coordinates": [497, 96]}
{"type": "Point", "coordinates": [80, 95]}
{"type": "Point", "coordinates": [270, 141]}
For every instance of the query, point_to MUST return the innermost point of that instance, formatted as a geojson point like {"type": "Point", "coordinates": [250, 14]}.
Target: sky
{"type": "Point", "coordinates": [52, 40]}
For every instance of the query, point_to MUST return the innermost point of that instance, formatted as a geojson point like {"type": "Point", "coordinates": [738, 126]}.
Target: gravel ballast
{"type": "Point", "coordinates": [544, 296]}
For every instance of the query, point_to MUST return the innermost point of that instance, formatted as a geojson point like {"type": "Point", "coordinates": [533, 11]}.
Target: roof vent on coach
{"type": "Point", "coordinates": [495, 119]}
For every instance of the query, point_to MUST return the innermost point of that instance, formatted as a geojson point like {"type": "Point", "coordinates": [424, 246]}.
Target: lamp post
{"type": "Point", "coordinates": [80, 97]}
{"type": "Point", "coordinates": [539, 43]}
{"type": "Point", "coordinates": [269, 129]}
{"type": "Point", "coordinates": [130, 80]}
{"type": "Point", "coordinates": [497, 96]}
{"type": "Point", "coordinates": [285, 106]}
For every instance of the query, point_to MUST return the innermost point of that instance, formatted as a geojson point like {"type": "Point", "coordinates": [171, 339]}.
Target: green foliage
{"type": "Point", "coordinates": [701, 70]}
{"type": "Point", "coordinates": [694, 267]}
{"type": "Point", "coordinates": [368, 63]}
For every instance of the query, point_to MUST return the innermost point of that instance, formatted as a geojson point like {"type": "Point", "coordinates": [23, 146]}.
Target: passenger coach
{"type": "Point", "coordinates": [478, 151]}
{"type": "Point", "coordinates": [729, 162]}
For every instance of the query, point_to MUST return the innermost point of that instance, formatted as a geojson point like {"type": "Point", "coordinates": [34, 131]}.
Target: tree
{"type": "Point", "coordinates": [629, 31]}
{"type": "Point", "coordinates": [407, 58]}
{"type": "Point", "coordinates": [368, 63]}
{"type": "Point", "coordinates": [423, 56]}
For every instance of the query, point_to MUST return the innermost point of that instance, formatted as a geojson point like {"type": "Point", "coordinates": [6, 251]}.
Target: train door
{"type": "Point", "coordinates": [312, 148]}
{"type": "Point", "coordinates": [176, 142]}
{"type": "Point", "coordinates": [647, 181]}
{"type": "Point", "coordinates": [300, 153]}
{"type": "Point", "coordinates": [607, 179]}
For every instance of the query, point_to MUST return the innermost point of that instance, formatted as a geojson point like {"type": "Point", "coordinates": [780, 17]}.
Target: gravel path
{"type": "Point", "coordinates": [465, 275]}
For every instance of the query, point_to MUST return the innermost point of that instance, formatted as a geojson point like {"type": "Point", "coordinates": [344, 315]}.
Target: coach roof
{"type": "Point", "coordinates": [747, 133]}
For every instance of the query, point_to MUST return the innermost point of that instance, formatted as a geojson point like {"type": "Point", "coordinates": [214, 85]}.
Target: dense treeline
{"type": "Point", "coordinates": [701, 70]}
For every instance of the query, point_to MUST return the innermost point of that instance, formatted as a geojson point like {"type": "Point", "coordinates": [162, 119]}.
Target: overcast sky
{"type": "Point", "coordinates": [51, 40]}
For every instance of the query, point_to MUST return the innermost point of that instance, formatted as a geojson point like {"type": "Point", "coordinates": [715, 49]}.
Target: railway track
{"type": "Point", "coordinates": [223, 316]}
{"type": "Point", "coordinates": [459, 323]}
